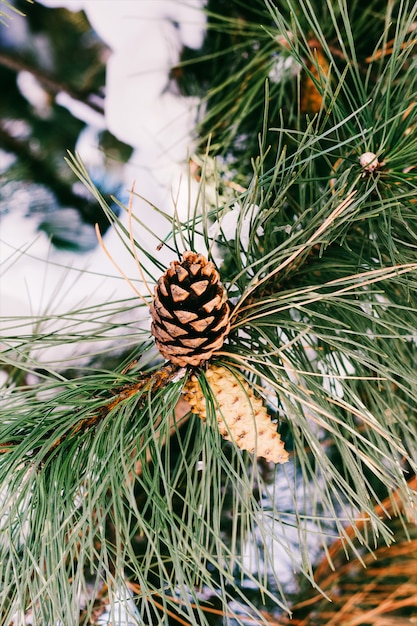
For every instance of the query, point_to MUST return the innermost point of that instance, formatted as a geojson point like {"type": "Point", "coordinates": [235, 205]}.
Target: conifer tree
{"type": "Point", "coordinates": [266, 407]}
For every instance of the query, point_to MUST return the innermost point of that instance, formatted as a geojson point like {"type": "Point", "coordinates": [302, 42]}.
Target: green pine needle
{"type": "Point", "coordinates": [108, 489]}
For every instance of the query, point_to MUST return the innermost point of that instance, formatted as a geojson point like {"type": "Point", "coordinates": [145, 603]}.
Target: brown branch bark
{"type": "Point", "coordinates": [40, 171]}
{"type": "Point", "coordinates": [50, 83]}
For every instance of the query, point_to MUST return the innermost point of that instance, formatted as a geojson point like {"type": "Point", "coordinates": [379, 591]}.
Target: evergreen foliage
{"type": "Point", "coordinates": [37, 134]}
{"type": "Point", "coordinates": [110, 489]}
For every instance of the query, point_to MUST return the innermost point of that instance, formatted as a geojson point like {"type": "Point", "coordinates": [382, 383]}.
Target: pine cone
{"type": "Point", "coordinates": [190, 313]}
{"type": "Point", "coordinates": [241, 416]}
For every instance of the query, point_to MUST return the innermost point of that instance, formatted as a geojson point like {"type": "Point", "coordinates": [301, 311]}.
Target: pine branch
{"type": "Point", "coordinates": [39, 170]}
{"type": "Point", "coordinates": [314, 245]}
{"type": "Point", "coordinates": [50, 83]}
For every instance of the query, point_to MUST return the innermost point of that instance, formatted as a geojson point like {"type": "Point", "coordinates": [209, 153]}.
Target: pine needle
{"type": "Point", "coordinates": [117, 266]}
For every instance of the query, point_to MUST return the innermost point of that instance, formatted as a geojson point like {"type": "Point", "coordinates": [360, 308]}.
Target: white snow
{"type": "Point", "coordinates": [146, 38]}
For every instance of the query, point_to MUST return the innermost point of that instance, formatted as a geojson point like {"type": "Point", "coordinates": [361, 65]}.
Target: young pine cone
{"type": "Point", "coordinates": [190, 313]}
{"type": "Point", "coordinates": [241, 416]}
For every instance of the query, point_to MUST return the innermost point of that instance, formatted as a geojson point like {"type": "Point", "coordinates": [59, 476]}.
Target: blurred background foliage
{"type": "Point", "coordinates": [46, 53]}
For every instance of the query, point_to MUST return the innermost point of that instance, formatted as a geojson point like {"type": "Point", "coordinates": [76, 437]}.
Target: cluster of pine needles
{"type": "Point", "coordinates": [112, 493]}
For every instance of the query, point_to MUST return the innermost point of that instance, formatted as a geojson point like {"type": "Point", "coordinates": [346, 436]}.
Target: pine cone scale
{"type": "Point", "coordinates": [162, 311]}
{"type": "Point", "coordinates": [181, 272]}
{"type": "Point", "coordinates": [214, 303]}
{"type": "Point", "coordinates": [219, 326]}
{"type": "Point", "coordinates": [184, 317]}
{"type": "Point", "coordinates": [193, 343]}
{"type": "Point", "coordinates": [174, 330]}
{"type": "Point", "coordinates": [179, 294]}
{"type": "Point", "coordinates": [200, 287]}
{"type": "Point", "coordinates": [194, 269]}
{"type": "Point", "coordinates": [202, 324]}
{"type": "Point", "coordinates": [162, 288]}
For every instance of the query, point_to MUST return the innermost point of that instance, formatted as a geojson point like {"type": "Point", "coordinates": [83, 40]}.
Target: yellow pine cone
{"type": "Point", "coordinates": [241, 416]}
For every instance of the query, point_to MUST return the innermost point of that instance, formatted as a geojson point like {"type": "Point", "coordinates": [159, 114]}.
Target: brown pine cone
{"type": "Point", "coordinates": [190, 313]}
